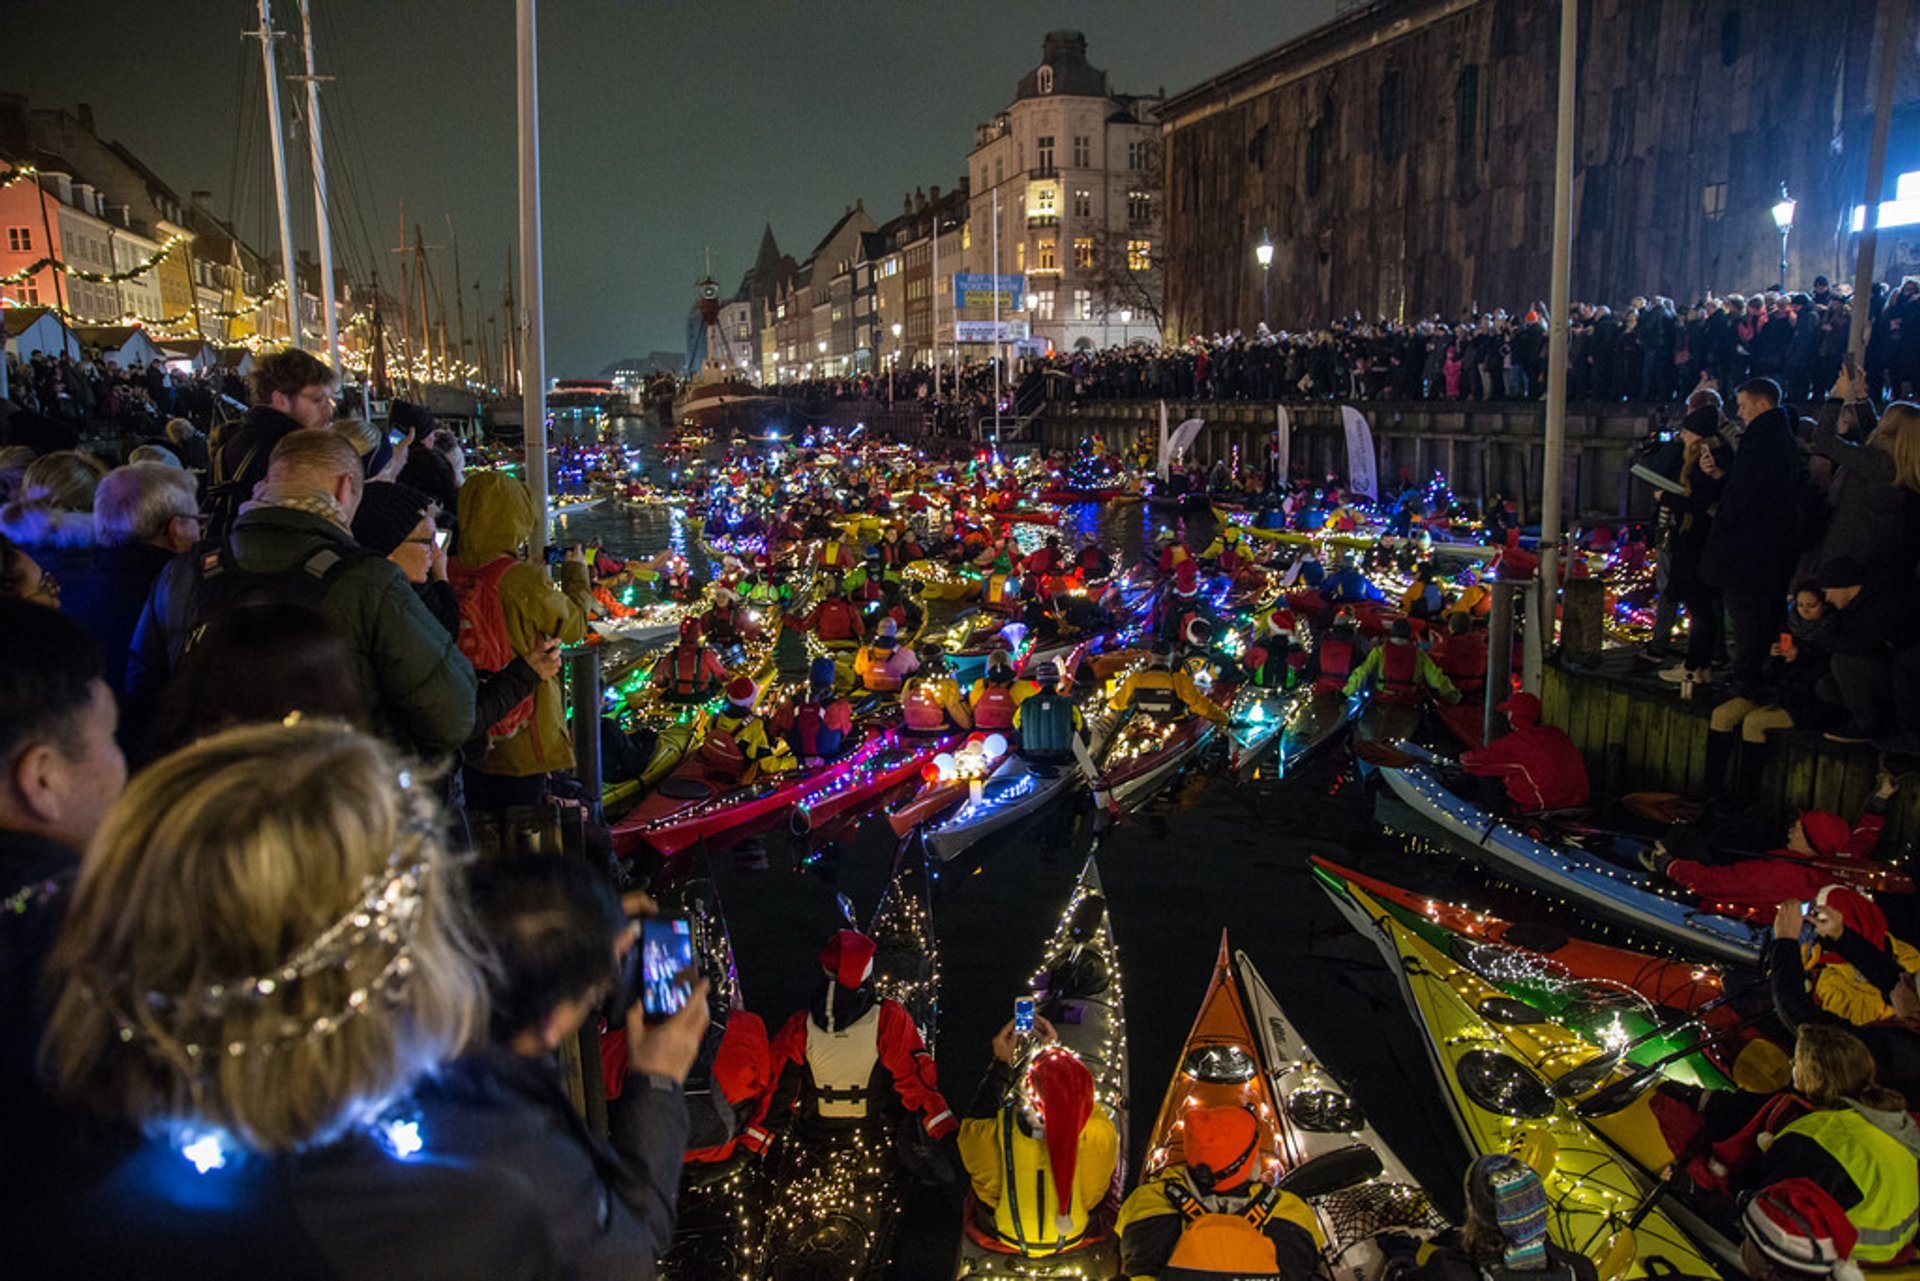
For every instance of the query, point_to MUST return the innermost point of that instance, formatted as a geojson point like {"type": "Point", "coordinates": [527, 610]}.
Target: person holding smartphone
{"type": "Point", "coordinates": [561, 940]}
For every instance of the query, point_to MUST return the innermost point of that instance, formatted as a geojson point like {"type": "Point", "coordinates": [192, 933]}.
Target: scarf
{"type": "Point", "coordinates": [268, 494]}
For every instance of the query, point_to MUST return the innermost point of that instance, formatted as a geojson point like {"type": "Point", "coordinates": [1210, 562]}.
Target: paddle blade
{"type": "Point", "coordinates": [846, 910]}
{"type": "Point", "coordinates": [1621, 1250]}
{"type": "Point", "coordinates": [1585, 1076]}
{"type": "Point", "coordinates": [1616, 1097]}
{"type": "Point", "coordinates": [1332, 1171]}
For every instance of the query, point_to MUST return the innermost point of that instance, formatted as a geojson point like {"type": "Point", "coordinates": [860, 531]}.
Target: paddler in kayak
{"type": "Point", "coordinates": [995, 698]}
{"type": "Point", "coordinates": [931, 702]}
{"type": "Point", "coordinates": [1462, 654]}
{"type": "Point", "coordinates": [1275, 660]}
{"type": "Point", "coordinates": [738, 726]}
{"type": "Point", "coordinates": [1337, 655]}
{"type": "Point", "coordinates": [727, 624]}
{"type": "Point", "coordinates": [1538, 764]}
{"type": "Point", "coordinates": [1178, 604]}
{"type": "Point", "coordinates": [833, 619]}
{"type": "Point", "coordinates": [1396, 670]}
{"type": "Point", "coordinates": [690, 672]}
{"type": "Point", "coordinates": [1504, 1237]}
{"type": "Point", "coordinates": [1348, 586]}
{"type": "Point", "coordinates": [1092, 562]}
{"type": "Point", "coordinates": [1048, 721]}
{"type": "Point", "coordinates": [816, 727]}
{"type": "Point", "coordinates": [1750, 887]}
{"type": "Point", "coordinates": [884, 664]}
{"type": "Point", "coordinates": [1208, 1216]}
{"type": "Point", "coordinates": [1231, 549]}
{"type": "Point", "coordinates": [1038, 1148]}
{"type": "Point", "coordinates": [851, 1060]}
{"type": "Point", "coordinates": [1165, 692]}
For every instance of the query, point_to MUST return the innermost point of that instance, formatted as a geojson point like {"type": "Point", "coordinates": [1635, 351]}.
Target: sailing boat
{"type": "Point", "coordinates": [718, 400]}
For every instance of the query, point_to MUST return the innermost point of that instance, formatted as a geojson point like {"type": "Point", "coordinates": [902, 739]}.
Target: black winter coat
{"type": "Point", "coordinates": [1755, 538]}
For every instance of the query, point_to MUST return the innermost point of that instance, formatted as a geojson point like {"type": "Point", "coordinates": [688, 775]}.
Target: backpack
{"type": "Point", "coordinates": [220, 584]}
{"type": "Point", "coordinates": [483, 632]}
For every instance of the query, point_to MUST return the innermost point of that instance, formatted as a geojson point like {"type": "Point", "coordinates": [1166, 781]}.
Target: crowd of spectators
{"type": "Point", "coordinates": [260, 1013]}
{"type": "Point", "coordinates": [98, 389]}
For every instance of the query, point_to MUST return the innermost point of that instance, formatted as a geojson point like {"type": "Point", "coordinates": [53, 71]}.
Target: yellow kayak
{"type": "Point", "coordinates": [1494, 1056]}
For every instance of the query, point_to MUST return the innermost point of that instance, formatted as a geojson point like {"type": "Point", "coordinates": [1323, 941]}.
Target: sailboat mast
{"type": "Point", "coordinates": [533, 368]}
{"type": "Point", "coordinates": [276, 134]}
{"type": "Point", "coordinates": [459, 302]}
{"type": "Point", "coordinates": [323, 231]}
{"type": "Point", "coordinates": [406, 301]}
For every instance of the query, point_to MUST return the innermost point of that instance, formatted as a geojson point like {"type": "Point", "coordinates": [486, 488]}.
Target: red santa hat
{"type": "Point", "coordinates": [1798, 1226]}
{"type": "Point", "coordinates": [1861, 914]}
{"type": "Point", "coordinates": [1280, 622]}
{"type": "Point", "coordinates": [741, 691]}
{"type": "Point", "coordinates": [848, 958]}
{"type": "Point", "coordinates": [1061, 1089]}
{"type": "Point", "coordinates": [1522, 710]}
{"type": "Point", "coordinates": [1826, 832]}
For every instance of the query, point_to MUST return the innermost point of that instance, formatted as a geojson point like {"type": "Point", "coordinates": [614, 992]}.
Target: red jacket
{"type": "Point", "coordinates": [1540, 766]}
{"type": "Point", "coordinates": [903, 1064]}
{"type": "Point", "coordinates": [1463, 658]}
{"type": "Point", "coordinates": [1753, 888]}
{"type": "Point", "coordinates": [833, 619]}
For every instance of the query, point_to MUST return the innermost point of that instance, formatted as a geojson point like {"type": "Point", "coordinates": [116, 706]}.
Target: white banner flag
{"type": "Point", "coordinates": [1361, 478]}
{"type": "Point", "coordinates": [1162, 457]}
{"type": "Point", "coordinates": [1282, 447]}
{"type": "Point", "coordinates": [1183, 437]}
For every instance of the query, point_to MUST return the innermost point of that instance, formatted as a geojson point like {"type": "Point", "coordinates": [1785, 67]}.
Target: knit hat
{"type": "Point", "coordinates": [821, 671]}
{"type": "Point", "coordinates": [741, 691]}
{"type": "Point", "coordinates": [1061, 1088]}
{"type": "Point", "coordinates": [1220, 1145]}
{"type": "Point", "coordinates": [1047, 674]}
{"type": "Point", "coordinates": [848, 958]}
{"type": "Point", "coordinates": [1704, 421]}
{"type": "Point", "coordinates": [1825, 831]}
{"type": "Point", "coordinates": [1400, 629]}
{"type": "Point", "coordinates": [387, 513]}
{"type": "Point", "coordinates": [1506, 1193]}
{"type": "Point", "coordinates": [1798, 1226]}
{"type": "Point", "coordinates": [1522, 710]}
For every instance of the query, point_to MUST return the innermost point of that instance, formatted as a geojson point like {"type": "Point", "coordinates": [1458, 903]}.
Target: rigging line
{"type": "Point", "coordinates": [357, 149]}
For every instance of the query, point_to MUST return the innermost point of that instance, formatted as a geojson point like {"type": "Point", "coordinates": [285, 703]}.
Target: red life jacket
{"type": "Point", "coordinates": [1336, 664]}
{"type": "Point", "coordinates": [483, 631]}
{"type": "Point", "coordinates": [995, 708]}
{"type": "Point", "coordinates": [835, 619]}
{"type": "Point", "coordinates": [809, 738]}
{"type": "Point", "coordinates": [686, 667]}
{"type": "Point", "coordinates": [1400, 666]}
{"type": "Point", "coordinates": [920, 706]}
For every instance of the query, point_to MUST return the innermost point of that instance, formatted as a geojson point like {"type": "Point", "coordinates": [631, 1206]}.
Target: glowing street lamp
{"type": "Point", "coordinates": [1126, 318]}
{"type": "Point", "coordinates": [1263, 254]}
{"type": "Point", "coordinates": [896, 361]}
{"type": "Point", "coordinates": [1783, 219]}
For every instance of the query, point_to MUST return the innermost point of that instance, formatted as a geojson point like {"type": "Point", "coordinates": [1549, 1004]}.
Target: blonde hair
{"type": "Point", "coordinates": [1899, 434]}
{"type": "Point", "coordinates": [263, 937]}
{"type": "Point", "coordinates": [1838, 1066]}
{"type": "Point", "coordinates": [63, 480]}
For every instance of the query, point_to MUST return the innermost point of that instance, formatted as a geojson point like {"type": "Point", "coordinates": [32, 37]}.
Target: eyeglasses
{"type": "Point", "coordinates": [424, 542]}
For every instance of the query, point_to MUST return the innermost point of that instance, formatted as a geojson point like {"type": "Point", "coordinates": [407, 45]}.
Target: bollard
{"type": "Point", "coordinates": [1505, 595]}
{"type": "Point", "coordinates": [1583, 616]}
{"type": "Point", "coordinates": [583, 693]}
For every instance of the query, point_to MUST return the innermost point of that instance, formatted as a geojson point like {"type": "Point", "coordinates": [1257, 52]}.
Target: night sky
{"type": "Point", "coordinates": [667, 128]}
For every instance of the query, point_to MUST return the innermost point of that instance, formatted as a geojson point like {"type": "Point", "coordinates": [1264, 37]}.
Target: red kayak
{"type": "Point", "coordinates": [897, 760]}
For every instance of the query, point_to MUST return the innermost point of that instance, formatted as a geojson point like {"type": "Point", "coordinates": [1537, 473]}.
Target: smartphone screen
{"type": "Point", "coordinates": [1023, 1014]}
{"type": "Point", "coordinates": [666, 956]}
{"type": "Point", "coordinates": [396, 435]}
{"type": "Point", "coordinates": [440, 537]}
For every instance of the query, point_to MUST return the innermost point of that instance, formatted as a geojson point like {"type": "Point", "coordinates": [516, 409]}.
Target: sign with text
{"type": "Point", "coordinates": [974, 289]}
{"type": "Point", "coordinates": [988, 331]}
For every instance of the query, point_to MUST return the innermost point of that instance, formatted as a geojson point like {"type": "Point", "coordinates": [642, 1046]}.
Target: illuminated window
{"type": "Point", "coordinates": [1902, 211]}
{"type": "Point", "coordinates": [20, 239]}
{"type": "Point", "coordinates": [966, 235]}
{"type": "Point", "coordinates": [1713, 201]}
{"type": "Point", "coordinates": [1043, 198]}
{"type": "Point", "coordinates": [1040, 304]}
{"type": "Point", "coordinates": [1082, 203]}
{"type": "Point", "coordinates": [1140, 206]}
{"type": "Point", "coordinates": [1043, 255]}
{"type": "Point", "coordinates": [1082, 151]}
{"type": "Point", "coordinates": [1083, 304]}
{"type": "Point", "coordinates": [1083, 251]}
{"type": "Point", "coordinates": [1139, 255]}
{"type": "Point", "coordinates": [1020, 256]}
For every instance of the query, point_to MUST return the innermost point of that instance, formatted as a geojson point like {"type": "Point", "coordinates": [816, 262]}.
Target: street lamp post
{"type": "Point", "coordinates": [1263, 254]}
{"type": "Point", "coordinates": [1126, 318]}
{"type": "Point", "coordinates": [896, 361]}
{"type": "Point", "coordinates": [1783, 219]}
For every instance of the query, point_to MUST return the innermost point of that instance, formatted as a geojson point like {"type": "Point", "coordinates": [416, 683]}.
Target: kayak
{"type": "Point", "coordinates": [1143, 753]}
{"type": "Point", "coordinates": [636, 700]}
{"type": "Point", "coordinates": [1607, 994]}
{"type": "Point", "coordinates": [831, 1202]}
{"type": "Point", "coordinates": [1494, 1057]}
{"type": "Point", "coordinates": [1243, 1052]}
{"type": "Point", "coordinates": [1077, 989]}
{"type": "Point", "coordinates": [1624, 896]}
{"type": "Point", "coordinates": [890, 766]}
{"type": "Point", "coordinates": [1299, 720]}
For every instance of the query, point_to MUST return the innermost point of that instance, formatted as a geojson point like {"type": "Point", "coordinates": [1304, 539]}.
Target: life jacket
{"type": "Point", "coordinates": [840, 1066]}
{"type": "Point", "coordinates": [810, 738]}
{"type": "Point", "coordinates": [723, 625]}
{"type": "Point", "coordinates": [1336, 664]}
{"type": "Point", "coordinates": [1028, 1210]}
{"type": "Point", "coordinates": [1399, 667]}
{"type": "Point", "coordinates": [1269, 664]}
{"type": "Point", "coordinates": [1046, 727]}
{"type": "Point", "coordinates": [684, 666]}
{"type": "Point", "coordinates": [923, 702]}
{"type": "Point", "coordinates": [1888, 1212]}
{"type": "Point", "coordinates": [993, 706]}
{"type": "Point", "coordinates": [876, 669]}
{"type": "Point", "coordinates": [1224, 1234]}
{"type": "Point", "coordinates": [483, 632]}
{"type": "Point", "coordinates": [998, 597]}
{"type": "Point", "coordinates": [1154, 694]}
{"type": "Point", "coordinates": [834, 619]}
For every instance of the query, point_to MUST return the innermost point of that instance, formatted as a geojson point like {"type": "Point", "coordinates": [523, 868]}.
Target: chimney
{"type": "Point", "coordinates": [85, 113]}
{"type": "Point", "coordinates": [933, 195]}
{"type": "Point", "coordinates": [203, 200]}
{"type": "Point", "coordinates": [82, 197]}
{"type": "Point", "coordinates": [907, 206]}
